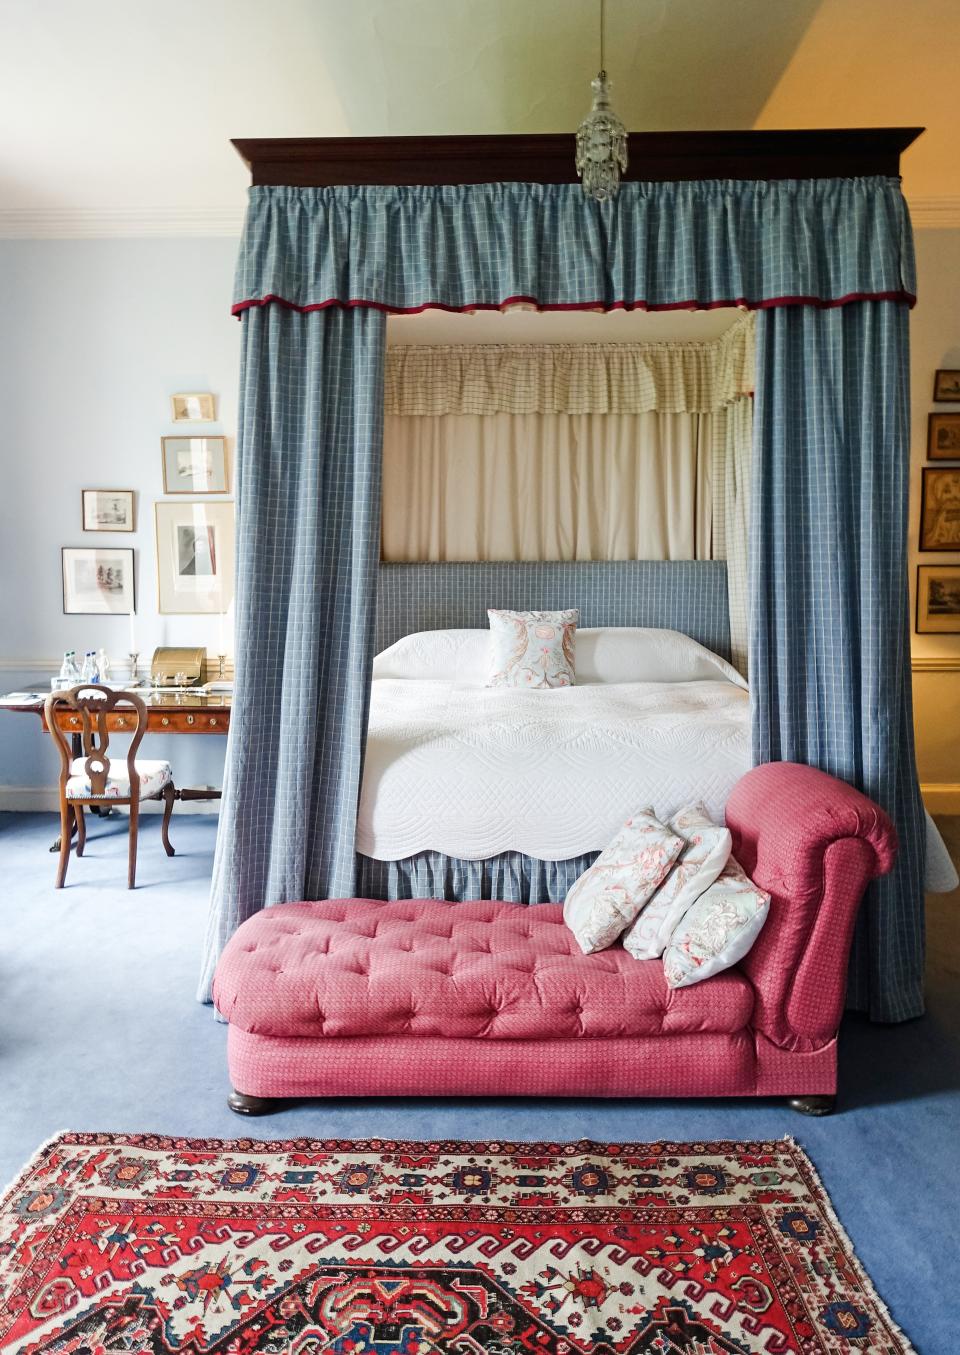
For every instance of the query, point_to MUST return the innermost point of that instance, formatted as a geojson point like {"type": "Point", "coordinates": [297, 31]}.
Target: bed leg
{"type": "Point", "coordinates": [813, 1105]}
{"type": "Point", "coordinates": [242, 1104]}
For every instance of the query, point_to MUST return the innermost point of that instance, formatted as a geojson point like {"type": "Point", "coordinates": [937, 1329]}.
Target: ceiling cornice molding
{"type": "Point", "coordinates": [25, 223]}
{"type": "Point", "coordinates": [132, 223]}
{"type": "Point", "coordinates": [939, 213]}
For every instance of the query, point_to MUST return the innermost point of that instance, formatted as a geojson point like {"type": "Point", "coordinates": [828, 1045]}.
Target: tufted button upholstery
{"type": "Point", "coordinates": [421, 967]}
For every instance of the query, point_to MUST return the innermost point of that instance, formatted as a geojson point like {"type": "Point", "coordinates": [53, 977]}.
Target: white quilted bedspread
{"type": "Point", "coordinates": [474, 771]}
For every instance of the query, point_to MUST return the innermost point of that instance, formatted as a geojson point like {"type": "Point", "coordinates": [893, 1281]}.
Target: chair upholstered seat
{"type": "Point", "coordinates": [425, 968]}
{"type": "Point", "coordinates": [153, 775]}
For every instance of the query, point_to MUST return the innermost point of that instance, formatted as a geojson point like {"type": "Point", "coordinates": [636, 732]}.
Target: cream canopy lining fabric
{"type": "Point", "coordinates": [573, 452]}
{"type": "Point", "coordinates": [548, 487]}
{"type": "Point", "coordinates": [642, 378]}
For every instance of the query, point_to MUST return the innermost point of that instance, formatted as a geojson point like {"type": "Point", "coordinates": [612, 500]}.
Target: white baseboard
{"type": "Point", "coordinates": [44, 799]}
{"type": "Point", "coordinates": [941, 797]}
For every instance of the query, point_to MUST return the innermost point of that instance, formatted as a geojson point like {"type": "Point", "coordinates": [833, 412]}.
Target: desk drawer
{"type": "Point", "coordinates": [168, 721]}
{"type": "Point", "coordinates": [164, 720]}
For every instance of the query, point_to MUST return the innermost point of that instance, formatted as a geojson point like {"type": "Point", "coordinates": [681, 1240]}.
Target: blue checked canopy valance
{"type": "Point", "coordinates": [754, 243]}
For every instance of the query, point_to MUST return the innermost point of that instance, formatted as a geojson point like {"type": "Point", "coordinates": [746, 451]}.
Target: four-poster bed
{"type": "Point", "coordinates": [808, 229]}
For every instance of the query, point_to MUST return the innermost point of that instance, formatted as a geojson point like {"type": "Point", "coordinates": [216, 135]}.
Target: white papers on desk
{"type": "Point", "coordinates": [22, 698]}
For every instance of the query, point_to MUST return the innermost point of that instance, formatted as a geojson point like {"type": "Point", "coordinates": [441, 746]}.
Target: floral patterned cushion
{"type": "Point", "coordinates": [153, 777]}
{"type": "Point", "coordinates": [717, 930]}
{"type": "Point", "coordinates": [608, 897]}
{"type": "Point", "coordinates": [533, 649]}
{"type": "Point", "coordinates": [705, 853]}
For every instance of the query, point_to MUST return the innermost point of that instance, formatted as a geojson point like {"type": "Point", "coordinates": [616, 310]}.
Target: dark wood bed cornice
{"type": "Point", "coordinates": [318, 162]}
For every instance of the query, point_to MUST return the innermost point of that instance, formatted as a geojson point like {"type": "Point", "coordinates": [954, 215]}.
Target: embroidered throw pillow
{"type": "Point", "coordinates": [704, 855]}
{"type": "Point", "coordinates": [532, 649]}
{"type": "Point", "coordinates": [717, 930]}
{"type": "Point", "coordinates": [609, 895]}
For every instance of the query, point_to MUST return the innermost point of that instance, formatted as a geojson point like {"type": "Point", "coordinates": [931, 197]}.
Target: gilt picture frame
{"type": "Point", "coordinates": [938, 599]}
{"type": "Point", "coordinates": [943, 437]}
{"type": "Point", "coordinates": [193, 407]}
{"type": "Point", "coordinates": [194, 465]}
{"type": "Point", "coordinates": [108, 510]}
{"type": "Point", "coordinates": [946, 385]}
{"type": "Point", "coordinates": [97, 580]}
{"type": "Point", "coordinates": [195, 542]}
{"type": "Point", "coordinates": [940, 509]}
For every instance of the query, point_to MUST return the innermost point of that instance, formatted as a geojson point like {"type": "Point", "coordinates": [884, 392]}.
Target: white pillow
{"type": "Point", "coordinates": [533, 649]}
{"type": "Point", "coordinates": [605, 654]}
{"type": "Point", "coordinates": [643, 654]}
{"type": "Point", "coordinates": [705, 853]}
{"type": "Point", "coordinates": [435, 654]}
{"type": "Point", "coordinates": [608, 896]}
{"type": "Point", "coordinates": [717, 930]}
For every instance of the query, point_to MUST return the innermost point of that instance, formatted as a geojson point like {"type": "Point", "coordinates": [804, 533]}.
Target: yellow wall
{"type": "Point", "coordinates": [880, 63]}
{"type": "Point", "coordinates": [935, 342]}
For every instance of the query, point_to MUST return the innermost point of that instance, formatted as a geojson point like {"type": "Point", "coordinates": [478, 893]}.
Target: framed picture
{"type": "Point", "coordinates": [946, 385]}
{"type": "Point", "coordinates": [193, 407]}
{"type": "Point", "coordinates": [940, 508]}
{"type": "Point", "coordinates": [943, 437]}
{"type": "Point", "coordinates": [194, 465]}
{"type": "Point", "coordinates": [938, 599]}
{"type": "Point", "coordinates": [97, 580]}
{"type": "Point", "coordinates": [107, 510]}
{"type": "Point", "coordinates": [195, 556]}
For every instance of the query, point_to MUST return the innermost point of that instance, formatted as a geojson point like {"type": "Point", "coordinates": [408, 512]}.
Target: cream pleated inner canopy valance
{"type": "Point", "coordinates": [635, 378]}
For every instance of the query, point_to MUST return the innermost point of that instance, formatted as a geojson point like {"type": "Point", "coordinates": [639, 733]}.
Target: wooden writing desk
{"type": "Point", "coordinates": [168, 712]}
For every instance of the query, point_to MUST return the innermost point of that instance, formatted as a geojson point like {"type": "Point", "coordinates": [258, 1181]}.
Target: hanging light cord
{"type": "Point", "coordinates": [603, 15]}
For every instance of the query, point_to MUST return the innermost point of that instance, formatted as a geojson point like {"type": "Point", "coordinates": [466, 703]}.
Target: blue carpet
{"type": "Point", "coordinates": [99, 1030]}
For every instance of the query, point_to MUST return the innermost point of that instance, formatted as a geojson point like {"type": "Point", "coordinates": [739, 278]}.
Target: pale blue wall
{"type": "Point", "coordinates": [94, 336]}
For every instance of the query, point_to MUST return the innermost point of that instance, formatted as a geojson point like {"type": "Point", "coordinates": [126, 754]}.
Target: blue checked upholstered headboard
{"type": "Point", "coordinates": [685, 595]}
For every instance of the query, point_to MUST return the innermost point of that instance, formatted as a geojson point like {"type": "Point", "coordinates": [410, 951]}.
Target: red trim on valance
{"type": "Point", "coordinates": [902, 297]}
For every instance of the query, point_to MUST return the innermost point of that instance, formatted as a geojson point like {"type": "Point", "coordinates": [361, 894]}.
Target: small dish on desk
{"type": "Point", "coordinates": [217, 687]}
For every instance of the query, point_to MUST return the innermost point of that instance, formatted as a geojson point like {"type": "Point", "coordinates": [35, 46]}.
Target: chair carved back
{"type": "Point", "coordinates": [94, 703]}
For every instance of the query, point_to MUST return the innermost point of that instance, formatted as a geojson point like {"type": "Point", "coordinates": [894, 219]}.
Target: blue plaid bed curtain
{"type": "Point", "coordinates": [308, 546]}
{"type": "Point", "coordinates": [830, 656]}
{"type": "Point", "coordinates": [830, 265]}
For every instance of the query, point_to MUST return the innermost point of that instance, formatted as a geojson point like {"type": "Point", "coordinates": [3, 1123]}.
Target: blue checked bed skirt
{"type": "Point", "coordinates": [511, 876]}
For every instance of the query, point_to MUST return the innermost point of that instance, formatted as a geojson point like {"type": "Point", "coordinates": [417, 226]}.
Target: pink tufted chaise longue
{"type": "Point", "coordinates": [355, 997]}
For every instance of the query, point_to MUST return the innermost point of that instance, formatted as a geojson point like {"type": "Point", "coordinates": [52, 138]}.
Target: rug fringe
{"type": "Point", "coordinates": [24, 1172]}
{"type": "Point", "coordinates": [825, 1200]}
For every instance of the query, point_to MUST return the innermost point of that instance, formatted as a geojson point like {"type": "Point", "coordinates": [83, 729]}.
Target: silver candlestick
{"type": "Point", "coordinates": [221, 660]}
{"type": "Point", "coordinates": [134, 660]}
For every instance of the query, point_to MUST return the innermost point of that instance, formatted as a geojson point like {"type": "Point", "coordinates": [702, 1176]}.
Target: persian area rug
{"type": "Point", "coordinates": [147, 1244]}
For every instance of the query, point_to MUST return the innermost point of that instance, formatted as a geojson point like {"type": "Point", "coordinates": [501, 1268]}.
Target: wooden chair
{"type": "Point", "coordinates": [87, 780]}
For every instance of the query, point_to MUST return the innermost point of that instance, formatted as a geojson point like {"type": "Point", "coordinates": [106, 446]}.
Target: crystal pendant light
{"type": "Point", "coordinates": [601, 137]}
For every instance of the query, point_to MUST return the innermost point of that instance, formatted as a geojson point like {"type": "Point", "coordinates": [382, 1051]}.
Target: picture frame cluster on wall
{"type": "Point", "coordinates": [938, 585]}
{"type": "Point", "coordinates": [194, 535]}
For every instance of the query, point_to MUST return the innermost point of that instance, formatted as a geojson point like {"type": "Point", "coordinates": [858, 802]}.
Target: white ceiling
{"type": "Point", "coordinates": [117, 114]}
{"type": "Point", "coordinates": [523, 326]}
